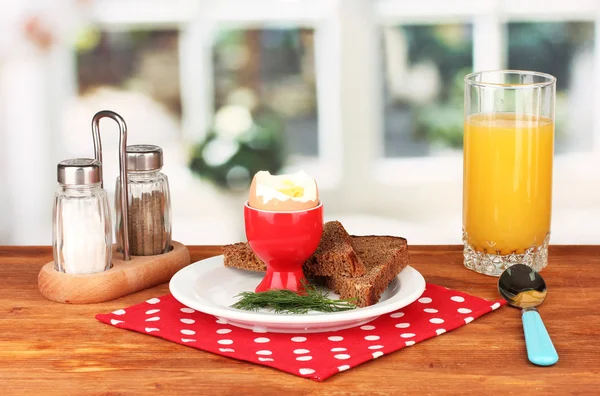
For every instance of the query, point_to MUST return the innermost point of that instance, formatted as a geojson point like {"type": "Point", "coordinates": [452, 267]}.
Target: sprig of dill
{"type": "Point", "coordinates": [289, 302]}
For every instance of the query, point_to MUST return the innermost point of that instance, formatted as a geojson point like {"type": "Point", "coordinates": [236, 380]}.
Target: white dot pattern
{"type": "Point", "coordinates": [342, 356]}
{"type": "Point", "coordinates": [261, 340]}
{"type": "Point", "coordinates": [464, 310]}
{"type": "Point", "coordinates": [367, 327]}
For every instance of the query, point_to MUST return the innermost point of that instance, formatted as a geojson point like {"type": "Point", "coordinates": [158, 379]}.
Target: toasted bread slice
{"type": "Point", "coordinates": [335, 255]}
{"type": "Point", "coordinates": [384, 257]}
{"type": "Point", "coordinates": [240, 255]}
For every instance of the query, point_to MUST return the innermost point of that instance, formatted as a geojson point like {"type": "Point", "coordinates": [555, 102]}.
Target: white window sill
{"type": "Point", "coordinates": [449, 167]}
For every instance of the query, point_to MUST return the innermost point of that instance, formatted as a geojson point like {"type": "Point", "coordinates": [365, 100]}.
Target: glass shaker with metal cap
{"type": "Point", "coordinates": [81, 232]}
{"type": "Point", "coordinates": [149, 202]}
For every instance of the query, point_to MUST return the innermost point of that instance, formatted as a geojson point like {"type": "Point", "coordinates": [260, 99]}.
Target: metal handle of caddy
{"type": "Point", "coordinates": [122, 168]}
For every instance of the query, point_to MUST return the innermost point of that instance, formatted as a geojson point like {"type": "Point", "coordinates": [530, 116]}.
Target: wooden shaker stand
{"type": "Point", "coordinates": [127, 274]}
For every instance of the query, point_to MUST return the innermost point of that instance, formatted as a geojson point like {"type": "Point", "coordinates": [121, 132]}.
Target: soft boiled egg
{"type": "Point", "coordinates": [295, 191]}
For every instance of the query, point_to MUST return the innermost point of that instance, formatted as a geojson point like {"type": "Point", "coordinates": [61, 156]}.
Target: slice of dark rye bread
{"type": "Point", "coordinates": [334, 256]}
{"type": "Point", "coordinates": [384, 257]}
{"type": "Point", "coordinates": [240, 255]}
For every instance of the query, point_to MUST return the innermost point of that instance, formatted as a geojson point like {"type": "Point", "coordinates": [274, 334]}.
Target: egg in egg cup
{"type": "Point", "coordinates": [283, 218]}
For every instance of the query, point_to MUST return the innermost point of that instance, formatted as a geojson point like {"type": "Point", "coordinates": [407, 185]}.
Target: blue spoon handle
{"type": "Point", "coordinates": [540, 349]}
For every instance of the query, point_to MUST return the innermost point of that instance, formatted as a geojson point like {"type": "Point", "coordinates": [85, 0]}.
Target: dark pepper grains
{"type": "Point", "coordinates": [147, 235]}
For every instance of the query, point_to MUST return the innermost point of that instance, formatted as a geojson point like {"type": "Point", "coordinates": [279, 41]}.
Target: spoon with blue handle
{"type": "Point", "coordinates": [524, 288]}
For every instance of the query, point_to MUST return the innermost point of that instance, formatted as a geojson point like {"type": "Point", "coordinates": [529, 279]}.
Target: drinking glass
{"type": "Point", "coordinates": [507, 169]}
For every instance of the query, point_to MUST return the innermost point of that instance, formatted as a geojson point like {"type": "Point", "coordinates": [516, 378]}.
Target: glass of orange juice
{"type": "Point", "coordinates": [507, 169]}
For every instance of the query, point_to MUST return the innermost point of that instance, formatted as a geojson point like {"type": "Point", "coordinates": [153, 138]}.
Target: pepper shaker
{"type": "Point", "coordinates": [82, 231]}
{"type": "Point", "coordinates": [149, 202]}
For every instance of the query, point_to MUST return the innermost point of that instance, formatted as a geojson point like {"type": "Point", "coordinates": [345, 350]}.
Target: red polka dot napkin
{"type": "Point", "coordinates": [316, 356]}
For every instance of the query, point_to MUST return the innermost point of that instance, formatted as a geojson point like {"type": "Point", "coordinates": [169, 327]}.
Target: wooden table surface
{"type": "Point", "coordinates": [49, 348]}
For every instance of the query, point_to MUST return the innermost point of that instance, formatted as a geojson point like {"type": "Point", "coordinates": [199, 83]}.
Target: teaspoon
{"type": "Point", "coordinates": [524, 288]}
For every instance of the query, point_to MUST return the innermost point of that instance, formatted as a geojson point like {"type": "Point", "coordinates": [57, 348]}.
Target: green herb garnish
{"type": "Point", "coordinates": [286, 301]}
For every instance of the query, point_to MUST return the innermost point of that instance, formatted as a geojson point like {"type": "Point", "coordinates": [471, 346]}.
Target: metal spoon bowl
{"type": "Point", "coordinates": [524, 288]}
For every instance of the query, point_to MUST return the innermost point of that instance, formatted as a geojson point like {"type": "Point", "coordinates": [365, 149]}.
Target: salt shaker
{"type": "Point", "coordinates": [149, 202]}
{"type": "Point", "coordinates": [82, 230]}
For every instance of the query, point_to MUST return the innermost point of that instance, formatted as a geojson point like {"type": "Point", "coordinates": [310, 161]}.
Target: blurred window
{"type": "Point", "coordinates": [565, 50]}
{"type": "Point", "coordinates": [423, 87]}
{"type": "Point", "coordinates": [425, 66]}
{"type": "Point", "coordinates": [144, 61]}
{"type": "Point", "coordinates": [265, 105]}
{"type": "Point", "coordinates": [271, 70]}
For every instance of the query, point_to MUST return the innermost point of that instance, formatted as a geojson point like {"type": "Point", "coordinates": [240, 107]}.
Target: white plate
{"type": "Point", "coordinates": [210, 287]}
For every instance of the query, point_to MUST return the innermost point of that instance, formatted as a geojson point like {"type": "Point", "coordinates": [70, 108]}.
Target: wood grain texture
{"type": "Point", "coordinates": [124, 278]}
{"type": "Point", "coordinates": [49, 348]}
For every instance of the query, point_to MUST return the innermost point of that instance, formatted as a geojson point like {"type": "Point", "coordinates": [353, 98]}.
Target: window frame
{"type": "Point", "coordinates": [351, 135]}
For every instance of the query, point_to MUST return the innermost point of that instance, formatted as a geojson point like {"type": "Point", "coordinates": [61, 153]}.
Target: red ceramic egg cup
{"type": "Point", "coordinates": [284, 241]}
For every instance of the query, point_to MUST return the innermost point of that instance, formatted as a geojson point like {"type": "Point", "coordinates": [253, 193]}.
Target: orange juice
{"type": "Point", "coordinates": [507, 193]}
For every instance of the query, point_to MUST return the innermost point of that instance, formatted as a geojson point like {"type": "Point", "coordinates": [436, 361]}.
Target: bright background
{"type": "Point", "coordinates": [365, 95]}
